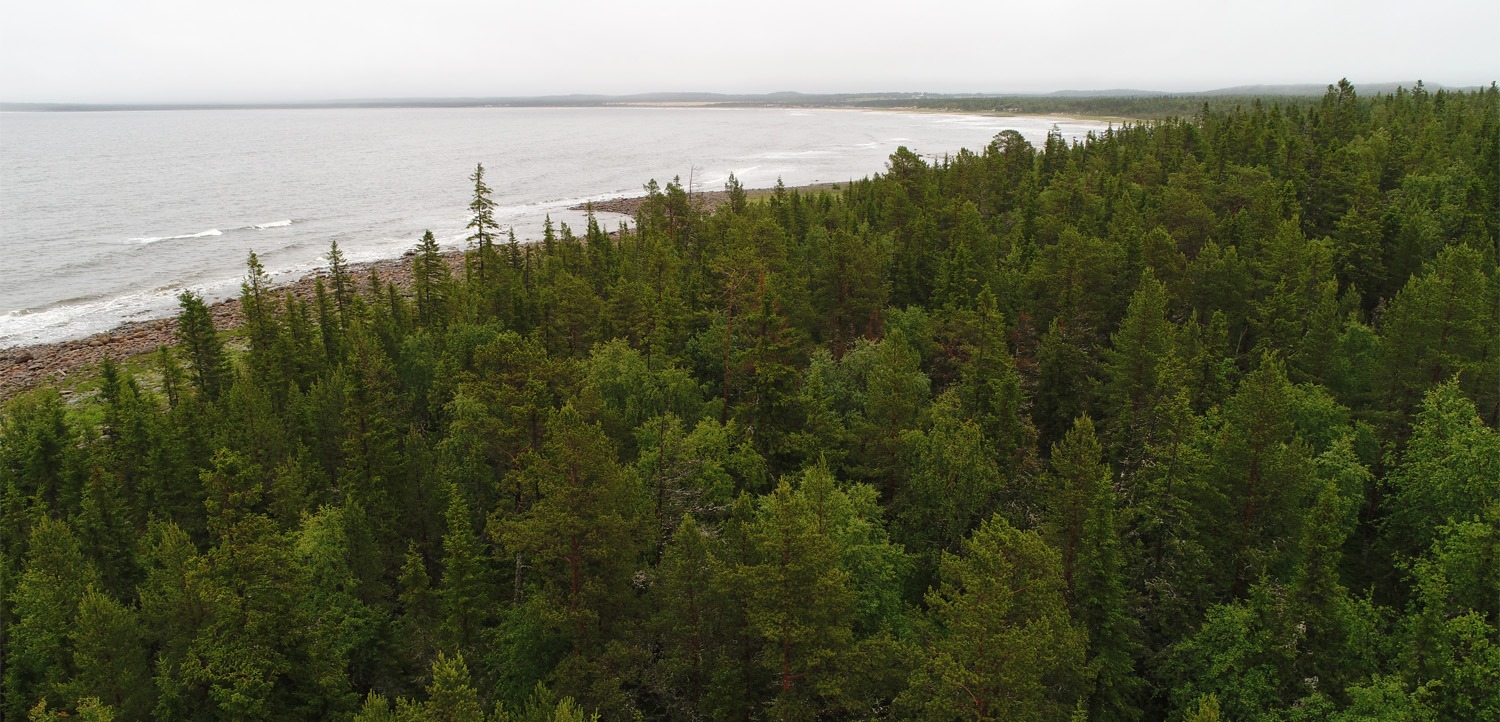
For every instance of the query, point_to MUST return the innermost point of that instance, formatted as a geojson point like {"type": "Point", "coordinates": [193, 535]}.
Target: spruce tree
{"type": "Point", "coordinates": [343, 287]}
{"type": "Point", "coordinates": [1261, 467]}
{"type": "Point", "coordinates": [429, 281]}
{"type": "Point", "coordinates": [45, 600]}
{"type": "Point", "coordinates": [1080, 522]}
{"type": "Point", "coordinates": [1130, 394]}
{"type": "Point", "coordinates": [1005, 648]}
{"type": "Point", "coordinates": [111, 657]}
{"type": "Point", "coordinates": [688, 601]}
{"type": "Point", "coordinates": [1440, 324]}
{"type": "Point", "coordinates": [451, 697]}
{"type": "Point", "coordinates": [259, 305]}
{"type": "Point", "coordinates": [466, 593]}
{"type": "Point", "coordinates": [582, 533]}
{"type": "Point", "coordinates": [481, 258]}
{"type": "Point", "coordinates": [797, 599]}
{"type": "Point", "coordinates": [211, 372]}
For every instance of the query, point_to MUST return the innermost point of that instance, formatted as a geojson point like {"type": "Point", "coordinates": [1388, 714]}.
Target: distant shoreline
{"type": "Point", "coordinates": [881, 100]}
{"type": "Point", "coordinates": [861, 103]}
{"type": "Point", "coordinates": [703, 200]}
{"type": "Point", "coordinates": [43, 108]}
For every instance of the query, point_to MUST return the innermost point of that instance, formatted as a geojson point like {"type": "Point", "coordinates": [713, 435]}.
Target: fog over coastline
{"type": "Point", "coordinates": [177, 51]}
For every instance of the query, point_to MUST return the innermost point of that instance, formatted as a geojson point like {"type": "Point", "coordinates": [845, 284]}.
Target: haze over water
{"type": "Point", "coordinates": [106, 216]}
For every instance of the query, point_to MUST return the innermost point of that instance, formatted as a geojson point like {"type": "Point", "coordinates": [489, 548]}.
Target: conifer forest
{"type": "Point", "coordinates": [1193, 420]}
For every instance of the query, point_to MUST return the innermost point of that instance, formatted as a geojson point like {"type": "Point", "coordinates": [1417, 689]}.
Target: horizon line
{"type": "Point", "coordinates": [1265, 89]}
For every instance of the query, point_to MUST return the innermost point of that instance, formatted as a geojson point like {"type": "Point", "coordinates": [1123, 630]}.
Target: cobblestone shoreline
{"type": "Point", "coordinates": [27, 367]}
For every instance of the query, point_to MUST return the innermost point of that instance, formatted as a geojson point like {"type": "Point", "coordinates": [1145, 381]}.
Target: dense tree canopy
{"type": "Point", "coordinates": [1195, 419]}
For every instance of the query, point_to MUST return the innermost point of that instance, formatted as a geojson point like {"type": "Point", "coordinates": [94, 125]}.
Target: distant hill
{"type": "Point", "coordinates": [1315, 89]}
{"type": "Point", "coordinates": [1289, 90]}
{"type": "Point", "coordinates": [786, 98]}
{"type": "Point", "coordinates": [1115, 93]}
{"type": "Point", "coordinates": [790, 98]}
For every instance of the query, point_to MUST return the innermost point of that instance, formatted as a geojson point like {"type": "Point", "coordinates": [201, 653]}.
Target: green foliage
{"type": "Point", "coordinates": [198, 338]}
{"type": "Point", "coordinates": [1261, 470]}
{"type": "Point", "coordinates": [481, 256]}
{"type": "Point", "coordinates": [430, 282]}
{"type": "Point", "coordinates": [1194, 419]}
{"type": "Point", "coordinates": [951, 486]}
{"type": "Point", "coordinates": [1440, 324]}
{"type": "Point", "coordinates": [1449, 471]}
{"type": "Point", "coordinates": [1005, 647]}
{"type": "Point", "coordinates": [112, 661]}
{"type": "Point", "coordinates": [451, 697]}
{"type": "Point", "coordinates": [798, 599]}
{"type": "Point", "coordinates": [582, 533]}
{"type": "Point", "coordinates": [45, 602]}
{"type": "Point", "coordinates": [466, 592]}
{"type": "Point", "coordinates": [1079, 520]}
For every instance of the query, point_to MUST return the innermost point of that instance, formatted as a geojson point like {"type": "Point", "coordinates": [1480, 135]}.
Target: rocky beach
{"type": "Point", "coordinates": [27, 367]}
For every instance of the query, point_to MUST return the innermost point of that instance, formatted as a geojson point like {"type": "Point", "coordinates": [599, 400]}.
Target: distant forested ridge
{"type": "Point", "coordinates": [1135, 104]}
{"type": "Point", "coordinates": [1195, 420]}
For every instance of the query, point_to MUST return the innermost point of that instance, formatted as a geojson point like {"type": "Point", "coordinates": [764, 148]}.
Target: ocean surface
{"type": "Point", "coordinates": [106, 217]}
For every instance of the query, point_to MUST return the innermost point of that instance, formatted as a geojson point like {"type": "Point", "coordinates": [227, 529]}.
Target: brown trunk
{"type": "Point", "coordinates": [516, 592]}
{"type": "Point", "coordinates": [1437, 366]}
{"type": "Point", "coordinates": [786, 664]}
{"type": "Point", "coordinates": [786, 640]}
{"type": "Point", "coordinates": [694, 650]}
{"type": "Point", "coordinates": [728, 335]}
{"type": "Point", "coordinates": [661, 490]}
{"type": "Point", "coordinates": [575, 568]}
{"type": "Point", "coordinates": [1247, 522]}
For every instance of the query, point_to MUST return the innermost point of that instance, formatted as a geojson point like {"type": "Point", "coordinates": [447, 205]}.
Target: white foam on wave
{"type": "Point", "coordinates": [76, 319]}
{"type": "Point", "coordinates": [272, 224]}
{"type": "Point", "coordinates": [154, 239]}
{"type": "Point", "coordinates": [795, 154]}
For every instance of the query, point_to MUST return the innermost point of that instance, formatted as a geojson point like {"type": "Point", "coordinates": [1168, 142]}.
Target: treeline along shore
{"type": "Point", "coordinates": [1193, 421]}
{"type": "Point", "coordinates": [1115, 103]}
{"type": "Point", "coordinates": [28, 366]}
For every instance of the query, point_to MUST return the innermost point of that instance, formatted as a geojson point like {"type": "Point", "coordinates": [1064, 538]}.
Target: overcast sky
{"type": "Point", "coordinates": [267, 50]}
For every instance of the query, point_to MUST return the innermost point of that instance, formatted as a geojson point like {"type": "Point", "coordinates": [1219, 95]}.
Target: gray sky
{"type": "Point", "coordinates": [264, 50]}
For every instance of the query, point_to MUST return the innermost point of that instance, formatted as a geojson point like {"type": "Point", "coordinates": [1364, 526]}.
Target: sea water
{"type": "Point", "coordinates": [106, 217]}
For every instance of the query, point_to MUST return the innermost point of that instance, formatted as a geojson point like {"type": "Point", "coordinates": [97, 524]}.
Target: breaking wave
{"type": "Point", "coordinates": [154, 239]}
